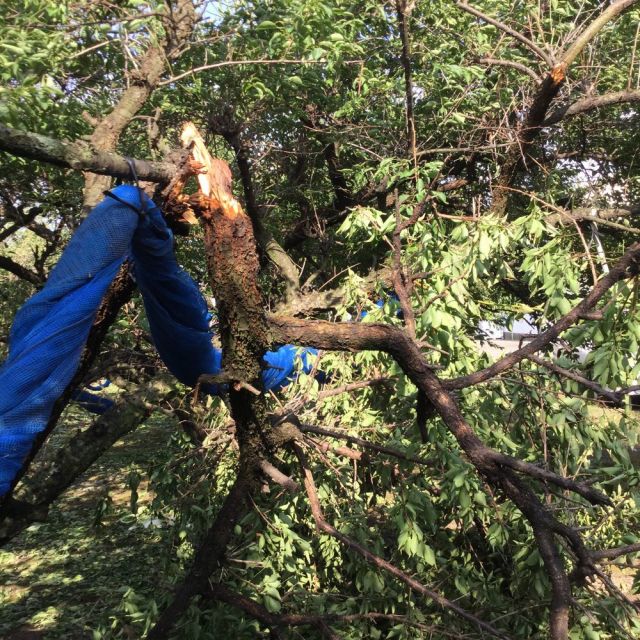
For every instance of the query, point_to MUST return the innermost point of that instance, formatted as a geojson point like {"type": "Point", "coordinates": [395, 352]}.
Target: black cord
{"type": "Point", "coordinates": [134, 174]}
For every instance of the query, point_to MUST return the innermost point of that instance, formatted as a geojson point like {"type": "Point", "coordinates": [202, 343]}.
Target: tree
{"type": "Point", "coordinates": [451, 161]}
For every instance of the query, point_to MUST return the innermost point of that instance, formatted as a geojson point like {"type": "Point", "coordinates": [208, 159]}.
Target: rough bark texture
{"type": "Point", "coordinates": [226, 126]}
{"type": "Point", "coordinates": [233, 266]}
{"type": "Point", "coordinates": [79, 155]}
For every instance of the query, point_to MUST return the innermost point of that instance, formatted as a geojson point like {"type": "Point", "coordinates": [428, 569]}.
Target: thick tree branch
{"type": "Point", "coordinates": [590, 104]}
{"type": "Point", "coordinates": [612, 554]}
{"type": "Point", "coordinates": [226, 126]}
{"type": "Point", "coordinates": [272, 472]}
{"type": "Point", "coordinates": [396, 342]}
{"type": "Point", "coordinates": [497, 468]}
{"type": "Point", "coordinates": [601, 216]}
{"type": "Point", "coordinates": [80, 156]}
{"type": "Point", "coordinates": [594, 28]}
{"type": "Point", "coordinates": [233, 266]}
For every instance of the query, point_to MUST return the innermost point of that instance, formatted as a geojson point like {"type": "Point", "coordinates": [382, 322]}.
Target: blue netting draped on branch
{"type": "Point", "coordinates": [49, 332]}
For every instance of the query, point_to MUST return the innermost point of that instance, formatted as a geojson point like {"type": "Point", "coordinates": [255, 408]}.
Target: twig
{"type": "Point", "coordinates": [508, 30]}
{"type": "Point", "coordinates": [611, 554]}
{"type": "Point", "coordinates": [321, 431]}
{"type": "Point", "coordinates": [278, 477]}
{"type": "Point", "coordinates": [235, 63]}
{"type": "Point", "coordinates": [257, 611]}
{"type": "Point", "coordinates": [613, 396]}
{"type": "Point", "coordinates": [512, 64]}
{"type": "Point", "coordinates": [594, 496]}
{"type": "Point", "coordinates": [298, 403]}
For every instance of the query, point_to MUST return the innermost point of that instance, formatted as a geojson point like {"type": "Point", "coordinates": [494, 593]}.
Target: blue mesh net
{"type": "Point", "coordinates": [50, 330]}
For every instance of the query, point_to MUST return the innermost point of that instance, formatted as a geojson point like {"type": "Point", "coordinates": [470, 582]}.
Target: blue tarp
{"type": "Point", "coordinates": [50, 330]}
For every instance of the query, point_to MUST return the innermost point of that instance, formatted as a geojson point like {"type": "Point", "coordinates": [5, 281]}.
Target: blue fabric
{"type": "Point", "coordinates": [91, 402]}
{"type": "Point", "coordinates": [392, 299]}
{"type": "Point", "coordinates": [281, 365]}
{"type": "Point", "coordinates": [49, 332]}
{"type": "Point", "coordinates": [98, 386]}
{"type": "Point", "coordinates": [176, 310]}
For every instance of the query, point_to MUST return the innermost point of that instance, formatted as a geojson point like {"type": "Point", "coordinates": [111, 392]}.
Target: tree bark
{"type": "Point", "coordinates": [233, 265]}
{"type": "Point", "coordinates": [79, 155]}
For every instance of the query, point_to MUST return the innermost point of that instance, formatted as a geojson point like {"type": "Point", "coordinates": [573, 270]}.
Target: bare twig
{"type": "Point", "coordinates": [500, 62]}
{"type": "Point", "coordinates": [613, 396]}
{"type": "Point", "coordinates": [298, 403]}
{"type": "Point", "coordinates": [508, 30]}
{"type": "Point", "coordinates": [235, 63]}
{"type": "Point", "coordinates": [278, 477]}
{"type": "Point", "coordinates": [389, 451]}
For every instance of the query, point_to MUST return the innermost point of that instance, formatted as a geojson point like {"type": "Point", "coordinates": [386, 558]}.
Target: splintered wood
{"type": "Point", "coordinates": [214, 177]}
